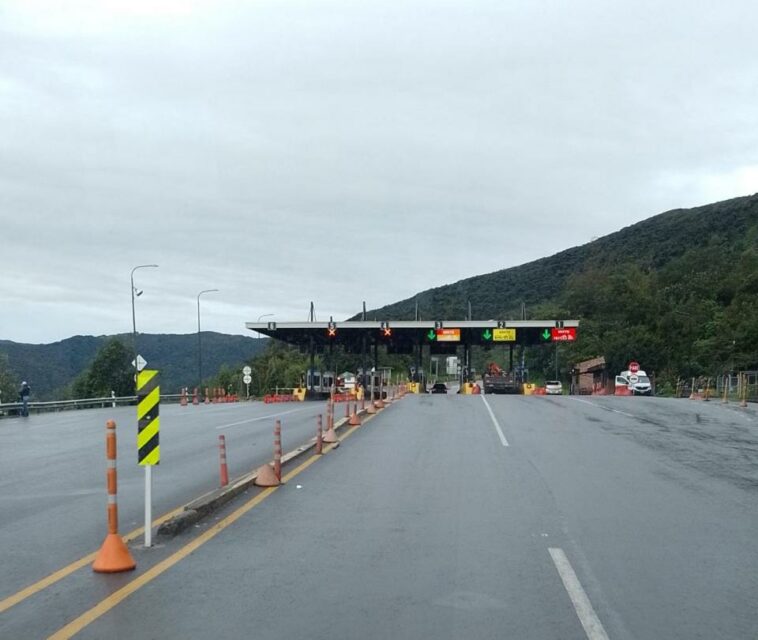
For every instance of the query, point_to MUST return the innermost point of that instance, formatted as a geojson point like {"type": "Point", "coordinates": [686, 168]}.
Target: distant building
{"type": "Point", "coordinates": [590, 377]}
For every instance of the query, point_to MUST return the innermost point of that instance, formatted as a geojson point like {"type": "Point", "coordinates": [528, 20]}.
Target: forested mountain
{"type": "Point", "coordinates": [52, 368]}
{"type": "Point", "coordinates": [678, 291]}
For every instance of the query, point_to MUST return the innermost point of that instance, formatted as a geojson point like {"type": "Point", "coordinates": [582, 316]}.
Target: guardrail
{"type": "Point", "coordinates": [13, 408]}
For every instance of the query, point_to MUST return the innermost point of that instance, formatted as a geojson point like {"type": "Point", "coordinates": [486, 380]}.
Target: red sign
{"type": "Point", "coordinates": [634, 367]}
{"type": "Point", "coordinates": [564, 335]}
{"type": "Point", "coordinates": [448, 335]}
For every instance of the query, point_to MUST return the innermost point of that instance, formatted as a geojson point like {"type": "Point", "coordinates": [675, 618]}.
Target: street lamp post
{"type": "Point", "coordinates": [199, 343]}
{"type": "Point", "coordinates": [264, 315]}
{"type": "Point", "coordinates": [148, 468]}
{"type": "Point", "coordinates": [134, 316]}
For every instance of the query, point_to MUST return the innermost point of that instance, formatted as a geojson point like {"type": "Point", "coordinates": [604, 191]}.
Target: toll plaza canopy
{"type": "Point", "coordinates": [402, 336]}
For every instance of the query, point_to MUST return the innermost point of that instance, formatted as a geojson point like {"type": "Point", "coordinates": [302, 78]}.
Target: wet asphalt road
{"type": "Point", "coordinates": [424, 525]}
{"type": "Point", "coordinates": [52, 487]}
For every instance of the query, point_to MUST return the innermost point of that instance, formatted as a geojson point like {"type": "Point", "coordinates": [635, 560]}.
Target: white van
{"type": "Point", "coordinates": [638, 383]}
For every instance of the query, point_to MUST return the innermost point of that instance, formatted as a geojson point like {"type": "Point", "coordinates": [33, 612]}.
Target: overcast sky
{"type": "Point", "coordinates": [342, 151]}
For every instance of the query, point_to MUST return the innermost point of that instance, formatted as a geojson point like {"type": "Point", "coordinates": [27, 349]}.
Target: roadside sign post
{"type": "Point", "coordinates": [148, 433]}
{"type": "Point", "coordinates": [247, 379]}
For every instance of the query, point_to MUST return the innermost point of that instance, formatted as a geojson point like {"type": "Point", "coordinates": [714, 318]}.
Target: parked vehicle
{"type": "Point", "coordinates": [439, 387]}
{"type": "Point", "coordinates": [554, 388]}
{"type": "Point", "coordinates": [495, 380]}
{"type": "Point", "coordinates": [636, 381]}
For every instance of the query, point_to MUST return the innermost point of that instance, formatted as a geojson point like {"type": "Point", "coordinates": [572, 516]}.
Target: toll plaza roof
{"type": "Point", "coordinates": [400, 336]}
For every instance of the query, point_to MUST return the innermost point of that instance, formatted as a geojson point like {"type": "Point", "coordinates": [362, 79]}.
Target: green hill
{"type": "Point", "coordinates": [678, 291]}
{"type": "Point", "coordinates": [50, 368]}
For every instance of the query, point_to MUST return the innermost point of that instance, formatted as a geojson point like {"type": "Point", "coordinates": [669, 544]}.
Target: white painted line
{"type": "Point", "coordinates": [582, 605]}
{"type": "Point", "coordinates": [600, 406]}
{"type": "Point", "coordinates": [495, 422]}
{"type": "Point", "coordinates": [258, 419]}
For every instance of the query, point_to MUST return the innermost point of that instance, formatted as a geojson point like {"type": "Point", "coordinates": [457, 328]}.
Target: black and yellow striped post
{"type": "Point", "coordinates": [148, 430]}
{"type": "Point", "coordinates": [148, 433]}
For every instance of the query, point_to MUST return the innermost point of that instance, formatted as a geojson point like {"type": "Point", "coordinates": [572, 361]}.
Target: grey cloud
{"type": "Point", "coordinates": [335, 151]}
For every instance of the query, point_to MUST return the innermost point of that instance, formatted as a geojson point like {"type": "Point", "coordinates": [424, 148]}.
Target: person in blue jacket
{"type": "Point", "coordinates": [24, 395]}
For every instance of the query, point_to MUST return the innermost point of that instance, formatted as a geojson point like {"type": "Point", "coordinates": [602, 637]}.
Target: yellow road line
{"type": "Point", "coordinates": [76, 625]}
{"type": "Point", "coordinates": [38, 586]}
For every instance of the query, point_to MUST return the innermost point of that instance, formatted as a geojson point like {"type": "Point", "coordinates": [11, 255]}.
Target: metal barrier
{"type": "Point", "coordinates": [13, 408]}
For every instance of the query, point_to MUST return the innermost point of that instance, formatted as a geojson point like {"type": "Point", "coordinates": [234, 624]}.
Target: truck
{"type": "Point", "coordinates": [495, 380]}
{"type": "Point", "coordinates": [635, 380]}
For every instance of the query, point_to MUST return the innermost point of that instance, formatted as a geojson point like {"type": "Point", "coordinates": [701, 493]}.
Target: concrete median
{"type": "Point", "coordinates": [210, 502]}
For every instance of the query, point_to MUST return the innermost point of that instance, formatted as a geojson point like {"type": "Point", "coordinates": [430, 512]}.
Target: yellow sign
{"type": "Point", "coordinates": [504, 335]}
{"type": "Point", "coordinates": [148, 418]}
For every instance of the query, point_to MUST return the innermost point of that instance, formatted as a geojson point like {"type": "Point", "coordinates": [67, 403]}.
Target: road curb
{"type": "Point", "coordinates": [206, 504]}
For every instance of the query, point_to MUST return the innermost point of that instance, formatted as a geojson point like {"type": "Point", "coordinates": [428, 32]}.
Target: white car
{"type": "Point", "coordinates": [554, 388]}
{"type": "Point", "coordinates": [638, 382]}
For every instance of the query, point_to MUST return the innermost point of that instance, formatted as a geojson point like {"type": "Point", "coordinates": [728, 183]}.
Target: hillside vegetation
{"type": "Point", "coordinates": [51, 369]}
{"type": "Point", "coordinates": [678, 292]}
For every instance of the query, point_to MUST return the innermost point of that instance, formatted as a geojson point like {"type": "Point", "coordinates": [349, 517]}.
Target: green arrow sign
{"type": "Point", "coordinates": [546, 334]}
{"type": "Point", "coordinates": [487, 335]}
{"type": "Point", "coordinates": [432, 335]}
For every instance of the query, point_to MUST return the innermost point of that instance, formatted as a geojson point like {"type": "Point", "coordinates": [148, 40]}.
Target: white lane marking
{"type": "Point", "coordinates": [582, 605]}
{"type": "Point", "coordinates": [600, 406]}
{"type": "Point", "coordinates": [258, 419]}
{"type": "Point", "coordinates": [495, 422]}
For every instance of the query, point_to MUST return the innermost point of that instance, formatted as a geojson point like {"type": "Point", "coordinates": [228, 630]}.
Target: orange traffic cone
{"type": "Point", "coordinates": [330, 437]}
{"type": "Point", "coordinates": [266, 477]}
{"type": "Point", "coordinates": [355, 420]}
{"type": "Point", "coordinates": [113, 556]}
{"type": "Point", "coordinates": [371, 409]}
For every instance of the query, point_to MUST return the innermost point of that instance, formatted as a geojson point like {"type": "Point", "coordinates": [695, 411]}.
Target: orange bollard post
{"type": "Point", "coordinates": [355, 420]}
{"type": "Point", "coordinates": [347, 408]}
{"type": "Point", "coordinates": [330, 437]}
{"type": "Point", "coordinates": [268, 475]}
{"type": "Point", "coordinates": [223, 469]}
{"type": "Point", "coordinates": [278, 450]}
{"type": "Point", "coordinates": [319, 435]}
{"type": "Point", "coordinates": [195, 400]}
{"type": "Point", "coordinates": [114, 555]}
{"type": "Point", "coordinates": [207, 396]}
{"type": "Point", "coordinates": [183, 400]}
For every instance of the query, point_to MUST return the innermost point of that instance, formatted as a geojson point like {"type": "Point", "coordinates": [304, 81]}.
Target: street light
{"type": "Point", "coordinates": [265, 315]}
{"type": "Point", "coordinates": [134, 316]}
{"type": "Point", "coordinates": [148, 467]}
{"type": "Point", "coordinates": [199, 344]}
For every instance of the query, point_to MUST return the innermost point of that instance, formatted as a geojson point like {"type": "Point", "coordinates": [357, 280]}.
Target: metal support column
{"type": "Point", "coordinates": [312, 349]}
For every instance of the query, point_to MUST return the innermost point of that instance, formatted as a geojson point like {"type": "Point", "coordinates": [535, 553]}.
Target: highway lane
{"type": "Point", "coordinates": [52, 491]}
{"type": "Point", "coordinates": [659, 498]}
{"type": "Point", "coordinates": [423, 524]}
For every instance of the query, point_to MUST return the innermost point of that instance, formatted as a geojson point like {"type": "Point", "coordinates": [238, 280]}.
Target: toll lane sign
{"type": "Point", "coordinates": [448, 335]}
{"type": "Point", "coordinates": [504, 335]}
{"type": "Point", "coordinates": [567, 334]}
